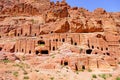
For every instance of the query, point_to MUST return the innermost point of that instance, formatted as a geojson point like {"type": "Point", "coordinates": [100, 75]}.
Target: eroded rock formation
{"type": "Point", "coordinates": [41, 27]}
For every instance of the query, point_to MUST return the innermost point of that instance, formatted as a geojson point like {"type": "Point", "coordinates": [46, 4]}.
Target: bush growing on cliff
{"type": "Point", "coordinates": [26, 77]}
{"type": "Point", "coordinates": [89, 70]}
{"type": "Point", "coordinates": [41, 44]}
{"type": "Point", "coordinates": [15, 74]}
{"type": "Point", "coordinates": [118, 78]}
{"type": "Point", "coordinates": [105, 76]}
{"type": "Point", "coordinates": [94, 76]}
{"type": "Point", "coordinates": [6, 61]}
{"type": "Point", "coordinates": [52, 78]}
{"type": "Point", "coordinates": [118, 62]}
{"type": "Point", "coordinates": [37, 70]}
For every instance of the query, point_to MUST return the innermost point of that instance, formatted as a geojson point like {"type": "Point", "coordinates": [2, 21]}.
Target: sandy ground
{"type": "Point", "coordinates": [24, 71]}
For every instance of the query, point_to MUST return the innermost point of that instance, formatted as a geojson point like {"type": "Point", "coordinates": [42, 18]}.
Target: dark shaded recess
{"type": "Point", "coordinates": [29, 51]}
{"type": "Point", "coordinates": [41, 42]}
{"type": "Point", "coordinates": [108, 54]}
{"type": "Point", "coordinates": [83, 67]}
{"type": "Point", "coordinates": [0, 48]}
{"type": "Point", "coordinates": [63, 40]}
{"type": "Point", "coordinates": [92, 47]}
{"type": "Point", "coordinates": [76, 67]}
{"type": "Point", "coordinates": [37, 52]}
{"type": "Point", "coordinates": [22, 50]}
{"type": "Point", "coordinates": [53, 48]}
{"type": "Point", "coordinates": [44, 52]}
{"type": "Point", "coordinates": [65, 63]}
{"type": "Point", "coordinates": [88, 51]}
{"type": "Point", "coordinates": [75, 43]}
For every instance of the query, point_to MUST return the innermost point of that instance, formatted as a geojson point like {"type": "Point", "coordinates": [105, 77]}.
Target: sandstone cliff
{"type": "Point", "coordinates": [56, 17]}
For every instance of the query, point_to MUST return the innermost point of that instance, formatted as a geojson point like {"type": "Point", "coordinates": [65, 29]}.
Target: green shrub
{"type": "Point", "coordinates": [110, 75]}
{"type": "Point", "coordinates": [15, 74]}
{"type": "Point", "coordinates": [32, 20]}
{"type": "Point", "coordinates": [41, 44]}
{"type": "Point", "coordinates": [89, 70]}
{"type": "Point", "coordinates": [53, 56]}
{"type": "Point", "coordinates": [118, 78]}
{"type": "Point", "coordinates": [81, 50]}
{"type": "Point", "coordinates": [52, 78]}
{"type": "Point", "coordinates": [23, 58]}
{"type": "Point", "coordinates": [6, 61]}
{"type": "Point", "coordinates": [67, 67]}
{"type": "Point", "coordinates": [82, 70]}
{"type": "Point", "coordinates": [26, 77]}
{"type": "Point", "coordinates": [94, 76]}
{"type": "Point", "coordinates": [77, 72]}
{"type": "Point", "coordinates": [103, 76]}
{"type": "Point", "coordinates": [25, 73]}
{"type": "Point", "coordinates": [37, 70]}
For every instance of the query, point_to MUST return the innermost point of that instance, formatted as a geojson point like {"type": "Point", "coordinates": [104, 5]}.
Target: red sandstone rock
{"type": "Point", "coordinates": [8, 56]}
{"type": "Point", "coordinates": [99, 11]}
{"type": "Point", "coordinates": [2, 56]}
{"type": "Point", "coordinates": [11, 57]}
{"type": "Point", "coordinates": [38, 27]}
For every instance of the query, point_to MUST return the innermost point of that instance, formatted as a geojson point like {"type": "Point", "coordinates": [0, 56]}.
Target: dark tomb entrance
{"type": "Point", "coordinates": [41, 42]}
{"type": "Point", "coordinates": [88, 51]}
{"type": "Point", "coordinates": [44, 52]}
{"type": "Point", "coordinates": [65, 63]}
{"type": "Point", "coordinates": [83, 67]}
{"type": "Point", "coordinates": [37, 52]}
{"type": "Point", "coordinates": [0, 48]}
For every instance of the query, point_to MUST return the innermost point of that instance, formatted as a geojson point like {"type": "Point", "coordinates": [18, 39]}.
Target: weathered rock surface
{"type": "Point", "coordinates": [25, 7]}
{"type": "Point", "coordinates": [8, 56]}
{"type": "Point", "coordinates": [48, 35]}
{"type": "Point", "coordinates": [80, 20]}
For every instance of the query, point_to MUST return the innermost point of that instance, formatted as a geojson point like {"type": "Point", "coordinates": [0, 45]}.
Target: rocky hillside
{"type": "Point", "coordinates": [56, 17]}
{"type": "Point", "coordinates": [18, 7]}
